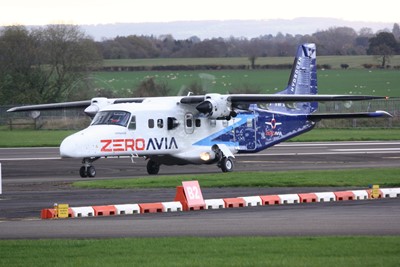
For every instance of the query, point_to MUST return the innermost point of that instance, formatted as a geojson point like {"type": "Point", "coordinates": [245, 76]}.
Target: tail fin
{"type": "Point", "coordinates": [302, 80]}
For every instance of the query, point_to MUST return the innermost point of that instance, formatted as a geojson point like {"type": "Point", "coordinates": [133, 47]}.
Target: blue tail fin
{"type": "Point", "coordinates": [302, 80]}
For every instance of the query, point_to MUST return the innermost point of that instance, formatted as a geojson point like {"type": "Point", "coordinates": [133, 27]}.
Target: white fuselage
{"type": "Point", "coordinates": [157, 126]}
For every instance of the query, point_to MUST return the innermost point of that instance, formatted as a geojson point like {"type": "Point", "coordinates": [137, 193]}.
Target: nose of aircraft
{"type": "Point", "coordinates": [69, 147]}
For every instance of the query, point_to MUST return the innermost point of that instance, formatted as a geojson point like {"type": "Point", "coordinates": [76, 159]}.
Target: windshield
{"type": "Point", "coordinates": [111, 117]}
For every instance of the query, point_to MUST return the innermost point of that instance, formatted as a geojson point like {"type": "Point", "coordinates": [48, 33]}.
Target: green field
{"type": "Point", "coordinates": [385, 177]}
{"type": "Point", "coordinates": [334, 61]}
{"type": "Point", "coordinates": [353, 81]}
{"type": "Point", "coordinates": [229, 251]}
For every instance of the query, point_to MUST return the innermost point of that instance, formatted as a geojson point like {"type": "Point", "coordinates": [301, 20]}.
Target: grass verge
{"type": "Point", "coordinates": [32, 138]}
{"type": "Point", "coordinates": [385, 177]}
{"type": "Point", "coordinates": [188, 251]}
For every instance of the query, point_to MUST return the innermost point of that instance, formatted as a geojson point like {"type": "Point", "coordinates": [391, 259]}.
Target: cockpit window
{"type": "Point", "coordinates": [120, 118]}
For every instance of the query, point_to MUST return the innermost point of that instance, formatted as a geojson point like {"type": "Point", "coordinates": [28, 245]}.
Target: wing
{"type": "Point", "coordinates": [280, 98]}
{"type": "Point", "coordinates": [76, 104]}
{"type": "Point", "coordinates": [91, 106]}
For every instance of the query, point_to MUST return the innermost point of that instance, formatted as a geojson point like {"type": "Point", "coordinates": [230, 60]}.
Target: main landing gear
{"type": "Point", "coordinates": [87, 170]}
{"type": "Point", "coordinates": [153, 167]}
{"type": "Point", "coordinates": [226, 164]}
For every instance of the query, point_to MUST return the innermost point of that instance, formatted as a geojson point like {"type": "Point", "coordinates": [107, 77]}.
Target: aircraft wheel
{"type": "Point", "coordinates": [91, 171]}
{"type": "Point", "coordinates": [82, 172]}
{"type": "Point", "coordinates": [227, 164]}
{"type": "Point", "coordinates": [153, 167]}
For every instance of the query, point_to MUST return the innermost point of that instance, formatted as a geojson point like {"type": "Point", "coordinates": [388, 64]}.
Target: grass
{"type": "Point", "coordinates": [352, 81]}
{"type": "Point", "coordinates": [32, 138]}
{"type": "Point", "coordinates": [385, 177]}
{"type": "Point", "coordinates": [334, 61]}
{"type": "Point", "coordinates": [188, 251]}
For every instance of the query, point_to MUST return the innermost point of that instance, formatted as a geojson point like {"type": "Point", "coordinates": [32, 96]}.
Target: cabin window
{"type": "Point", "coordinates": [189, 123]}
{"type": "Point", "coordinates": [150, 123]}
{"type": "Point", "coordinates": [197, 122]}
{"type": "Point", "coordinates": [111, 117]}
{"type": "Point", "coordinates": [132, 123]}
{"type": "Point", "coordinates": [225, 123]}
{"type": "Point", "coordinates": [213, 123]}
{"type": "Point", "coordinates": [160, 123]}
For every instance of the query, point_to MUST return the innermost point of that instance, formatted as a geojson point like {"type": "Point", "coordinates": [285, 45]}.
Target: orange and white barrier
{"type": "Point", "coordinates": [270, 200]}
{"type": "Point", "coordinates": [344, 195]}
{"type": "Point", "coordinates": [325, 196]}
{"type": "Point", "coordinates": [390, 192]}
{"type": "Point", "coordinates": [234, 202]}
{"type": "Point", "coordinates": [308, 198]}
{"type": "Point", "coordinates": [83, 212]}
{"type": "Point", "coordinates": [360, 194]}
{"type": "Point", "coordinates": [289, 199]}
{"type": "Point", "coordinates": [252, 201]}
{"type": "Point", "coordinates": [151, 207]}
{"type": "Point", "coordinates": [189, 197]}
{"type": "Point", "coordinates": [108, 210]}
{"type": "Point", "coordinates": [214, 203]}
{"type": "Point", "coordinates": [123, 209]}
{"type": "Point", "coordinates": [172, 206]}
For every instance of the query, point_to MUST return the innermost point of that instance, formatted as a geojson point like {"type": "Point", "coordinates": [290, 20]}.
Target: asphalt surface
{"type": "Point", "coordinates": [34, 179]}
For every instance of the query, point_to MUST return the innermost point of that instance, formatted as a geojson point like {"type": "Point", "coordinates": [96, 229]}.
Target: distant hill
{"type": "Point", "coordinates": [237, 28]}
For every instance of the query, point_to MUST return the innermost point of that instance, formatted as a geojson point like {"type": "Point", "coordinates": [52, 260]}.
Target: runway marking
{"type": "Point", "coordinates": [23, 159]}
{"type": "Point", "coordinates": [365, 149]}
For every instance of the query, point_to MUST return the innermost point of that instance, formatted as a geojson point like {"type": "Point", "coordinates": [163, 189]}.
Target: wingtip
{"type": "Point", "coordinates": [384, 113]}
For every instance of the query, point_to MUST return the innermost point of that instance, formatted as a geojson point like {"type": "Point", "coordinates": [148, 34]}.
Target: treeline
{"type": "Point", "coordinates": [333, 41]}
{"type": "Point", "coordinates": [53, 63]}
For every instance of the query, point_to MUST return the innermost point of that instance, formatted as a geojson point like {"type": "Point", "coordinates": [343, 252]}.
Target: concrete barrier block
{"type": "Point", "coordinates": [82, 211]}
{"type": "Point", "coordinates": [172, 206]}
{"type": "Point", "coordinates": [325, 196]}
{"type": "Point", "coordinates": [215, 203]}
{"type": "Point", "coordinates": [252, 201]}
{"type": "Point", "coordinates": [289, 199]}
{"type": "Point", "coordinates": [127, 209]}
{"type": "Point", "coordinates": [390, 192]}
{"type": "Point", "coordinates": [360, 194]}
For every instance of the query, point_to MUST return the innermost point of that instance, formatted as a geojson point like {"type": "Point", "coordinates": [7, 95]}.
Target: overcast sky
{"type": "Point", "coordinates": [41, 12]}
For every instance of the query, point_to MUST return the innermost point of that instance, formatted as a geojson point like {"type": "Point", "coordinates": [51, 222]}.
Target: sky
{"type": "Point", "coordinates": [42, 12]}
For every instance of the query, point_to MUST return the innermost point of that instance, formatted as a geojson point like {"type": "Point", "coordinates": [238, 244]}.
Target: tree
{"type": "Point", "coordinates": [18, 53]}
{"type": "Point", "coordinates": [70, 54]}
{"type": "Point", "coordinates": [396, 31]}
{"type": "Point", "coordinates": [383, 45]}
{"type": "Point", "coordinates": [44, 65]}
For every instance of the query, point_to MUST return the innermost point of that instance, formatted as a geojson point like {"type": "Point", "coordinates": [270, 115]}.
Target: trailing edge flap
{"type": "Point", "coordinates": [379, 113]}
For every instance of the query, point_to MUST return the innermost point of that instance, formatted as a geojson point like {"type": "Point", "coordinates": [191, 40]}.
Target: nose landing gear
{"type": "Point", "coordinates": [87, 170]}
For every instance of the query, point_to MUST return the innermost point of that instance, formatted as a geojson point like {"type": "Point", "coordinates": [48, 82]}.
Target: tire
{"type": "Point", "coordinates": [82, 172]}
{"type": "Point", "coordinates": [153, 167]}
{"type": "Point", "coordinates": [227, 165]}
{"type": "Point", "coordinates": [91, 171]}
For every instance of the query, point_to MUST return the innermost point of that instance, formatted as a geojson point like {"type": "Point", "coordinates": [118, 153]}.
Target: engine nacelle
{"type": "Point", "coordinates": [97, 103]}
{"type": "Point", "coordinates": [215, 106]}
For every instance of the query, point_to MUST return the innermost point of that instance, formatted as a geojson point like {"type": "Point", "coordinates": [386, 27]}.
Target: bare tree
{"type": "Point", "coordinates": [45, 64]}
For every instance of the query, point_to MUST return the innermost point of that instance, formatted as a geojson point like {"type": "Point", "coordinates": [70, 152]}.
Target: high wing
{"type": "Point", "coordinates": [91, 106]}
{"type": "Point", "coordinates": [280, 98]}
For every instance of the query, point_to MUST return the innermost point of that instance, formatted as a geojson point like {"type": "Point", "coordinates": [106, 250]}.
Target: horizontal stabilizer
{"type": "Point", "coordinates": [379, 113]}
